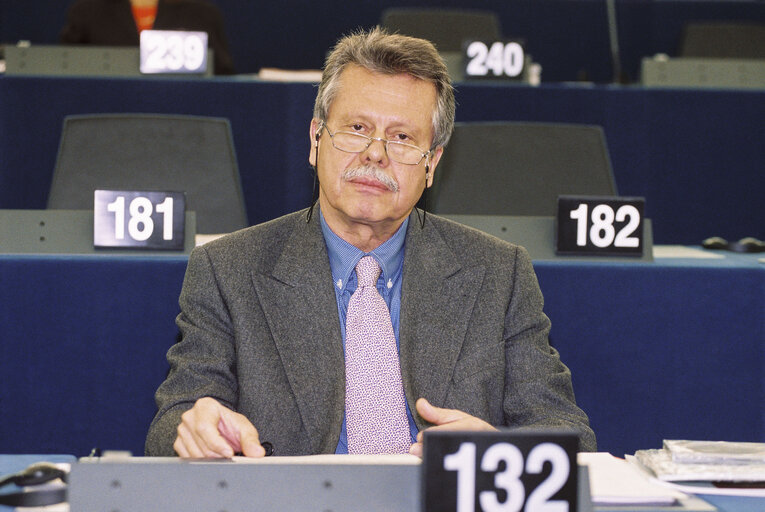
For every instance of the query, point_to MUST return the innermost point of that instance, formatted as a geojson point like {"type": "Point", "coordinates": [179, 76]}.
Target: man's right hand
{"type": "Point", "coordinates": [210, 430]}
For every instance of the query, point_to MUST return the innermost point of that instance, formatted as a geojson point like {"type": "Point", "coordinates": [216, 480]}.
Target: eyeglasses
{"type": "Point", "coordinates": [400, 152]}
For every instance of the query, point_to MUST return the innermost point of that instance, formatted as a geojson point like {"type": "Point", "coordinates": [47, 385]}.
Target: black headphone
{"type": "Point", "coordinates": [38, 473]}
{"type": "Point", "coordinates": [315, 192]}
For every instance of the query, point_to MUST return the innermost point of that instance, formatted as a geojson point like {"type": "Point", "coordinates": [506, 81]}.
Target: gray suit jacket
{"type": "Point", "coordinates": [261, 334]}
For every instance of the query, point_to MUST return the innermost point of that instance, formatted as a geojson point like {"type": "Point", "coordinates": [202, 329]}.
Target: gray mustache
{"type": "Point", "coordinates": [370, 171]}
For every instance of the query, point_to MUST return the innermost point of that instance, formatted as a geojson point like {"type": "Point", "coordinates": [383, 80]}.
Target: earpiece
{"type": "Point", "coordinates": [427, 172]}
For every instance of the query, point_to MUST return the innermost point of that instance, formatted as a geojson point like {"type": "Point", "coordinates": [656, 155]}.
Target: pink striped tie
{"type": "Point", "coordinates": [375, 407]}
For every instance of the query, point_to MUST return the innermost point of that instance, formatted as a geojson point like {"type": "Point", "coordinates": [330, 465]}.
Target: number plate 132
{"type": "Point", "coordinates": [139, 219]}
{"type": "Point", "coordinates": [500, 471]}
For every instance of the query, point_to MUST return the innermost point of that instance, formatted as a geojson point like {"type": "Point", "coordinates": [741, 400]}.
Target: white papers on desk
{"type": "Point", "coordinates": [58, 507]}
{"type": "Point", "coordinates": [662, 465]}
{"type": "Point", "coordinates": [681, 251]}
{"type": "Point", "coordinates": [332, 459]}
{"type": "Point", "coordinates": [715, 452]}
{"type": "Point", "coordinates": [699, 487]}
{"type": "Point", "coordinates": [290, 75]}
{"type": "Point", "coordinates": [614, 481]}
{"type": "Point", "coordinates": [201, 238]}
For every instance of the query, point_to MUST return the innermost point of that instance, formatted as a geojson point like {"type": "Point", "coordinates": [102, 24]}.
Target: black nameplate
{"type": "Point", "coordinates": [173, 51]}
{"type": "Point", "coordinates": [605, 226]}
{"type": "Point", "coordinates": [493, 59]}
{"type": "Point", "coordinates": [139, 219]}
{"type": "Point", "coordinates": [499, 471]}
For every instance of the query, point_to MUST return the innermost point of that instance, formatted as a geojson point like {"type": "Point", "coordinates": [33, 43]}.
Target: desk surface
{"type": "Point", "coordinates": [13, 463]}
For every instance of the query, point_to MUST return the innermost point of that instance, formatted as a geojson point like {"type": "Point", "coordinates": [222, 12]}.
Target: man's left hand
{"type": "Point", "coordinates": [445, 419]}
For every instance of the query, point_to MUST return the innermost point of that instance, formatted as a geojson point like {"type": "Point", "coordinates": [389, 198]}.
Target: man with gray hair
{"type": "Point", "coordinates": [360, 322]}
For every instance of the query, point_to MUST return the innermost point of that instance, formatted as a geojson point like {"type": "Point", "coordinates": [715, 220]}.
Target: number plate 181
{"type": "Point", "coordinates": [139, 219]}
{"type": "Point", "coordinates": [591, 225]}
{"type": "Point", "coordinates": [508, 471]}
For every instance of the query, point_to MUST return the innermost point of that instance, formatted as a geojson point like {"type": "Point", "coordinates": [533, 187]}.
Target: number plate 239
{"type": "Point", "coordinates": [137, 219]}
{"type": "Point", "coordinates": [173, 51]}
{"type": "Point", "coordinates": [500, 471]}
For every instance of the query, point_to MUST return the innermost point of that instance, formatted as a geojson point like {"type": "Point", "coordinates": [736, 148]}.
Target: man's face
{"type": "Point", "coordinates": [393, 107]}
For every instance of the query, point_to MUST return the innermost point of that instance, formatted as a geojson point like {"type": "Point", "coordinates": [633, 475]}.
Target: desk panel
{"type": "Point", "coordinates": [662, 350]}
{"type": "Point", "coordinates": [82, 343]}
{"type": "Point", "coordinates": [244, 474]}
{"type": "Point", "coordinates": [672, 349]}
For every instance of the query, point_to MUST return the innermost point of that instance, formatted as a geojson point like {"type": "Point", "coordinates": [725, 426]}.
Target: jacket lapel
{"type": "Point", "coordinates": [437, 299]}
{"type": "Point", "coordinates": [301, 308]}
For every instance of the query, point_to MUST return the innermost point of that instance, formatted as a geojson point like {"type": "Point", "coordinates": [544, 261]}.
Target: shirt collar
{"type": "Point", "coordinates": [344, 256]}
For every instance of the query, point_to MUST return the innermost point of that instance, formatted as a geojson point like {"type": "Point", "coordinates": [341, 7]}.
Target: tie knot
{"type": "Point", "coordinates": [367, 271]}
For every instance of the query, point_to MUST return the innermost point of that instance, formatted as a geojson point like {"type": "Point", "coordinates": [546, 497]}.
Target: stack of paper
{"type": "Point", "coordinates": [707, 467]}
{"type": "Point", "coordinates": [715, 452]}
{"type": "Point", "coordinates": [717, 461]}
{"type": "Point", "coordinates": [614, 481]}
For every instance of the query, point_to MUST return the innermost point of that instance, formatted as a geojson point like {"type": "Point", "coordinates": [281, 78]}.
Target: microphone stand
{"type": "Point", "coordinates": [613, 37]}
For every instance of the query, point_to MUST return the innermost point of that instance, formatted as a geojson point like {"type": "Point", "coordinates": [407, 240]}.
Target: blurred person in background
{"type": "Point", "coordinates": [119, 23]}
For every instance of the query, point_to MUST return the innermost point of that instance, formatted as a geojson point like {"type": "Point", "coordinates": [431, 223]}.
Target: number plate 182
{"type": "Point", "coordinates": [591, 225]}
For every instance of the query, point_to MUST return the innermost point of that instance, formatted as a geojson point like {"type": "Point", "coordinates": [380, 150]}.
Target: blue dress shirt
{"type": "Point", "coordinates": [343, 258]}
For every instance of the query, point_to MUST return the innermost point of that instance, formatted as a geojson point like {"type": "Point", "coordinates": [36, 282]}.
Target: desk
{"type": "Point", "coordinates": [670, 349]}
{"type": "Point", "coordinates": [14, 463]}
{"type": "Point", "coordinates": [695, 155]}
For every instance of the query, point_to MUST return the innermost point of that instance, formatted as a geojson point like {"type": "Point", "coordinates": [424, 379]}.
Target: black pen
{"type": "Point", "coordinates": [268, 447]}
